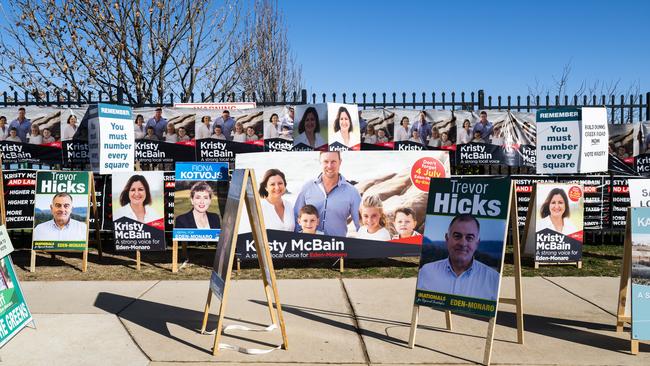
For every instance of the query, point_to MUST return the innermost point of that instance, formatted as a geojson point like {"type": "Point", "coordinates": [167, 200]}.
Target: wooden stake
{"type": "Point", "coordinates": [137, 260]}
{"type": "Point", "coordinates": [174, 256]}
{"type": "Point", "coordinates": [84, 261]}
{"type": "Point", "coordinates": [341, 265]}
{"type": "Point", "coordinates": [206, 312]}
{"type": "Point", "coordinates": [414, 325]}
{"type": "Point", "coordinates": [448, 319]}
{"type": "Point", "coordinates": [32, 265]}
{"type": "Point", "coordinates": [634, 347]}
{"type": "Point", "coordinates": [489, 340]}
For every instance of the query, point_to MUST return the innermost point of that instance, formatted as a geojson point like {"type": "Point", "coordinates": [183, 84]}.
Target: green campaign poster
{"type": "Point", "coordinates": [61, 210]}
{"type": "Point", "coordinates": [14, 314]}
{"type": "Point", "coordinates": [463, 245]}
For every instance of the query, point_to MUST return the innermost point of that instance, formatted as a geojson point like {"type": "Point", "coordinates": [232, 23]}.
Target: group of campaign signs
{"type": "Point", "coordinates": [330, 200]}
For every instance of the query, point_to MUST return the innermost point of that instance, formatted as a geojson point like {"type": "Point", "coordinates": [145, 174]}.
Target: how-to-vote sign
{"type": "Point", "coordinates": [572, 140]}
{"type": "Point", "coordinates": [111, 138]}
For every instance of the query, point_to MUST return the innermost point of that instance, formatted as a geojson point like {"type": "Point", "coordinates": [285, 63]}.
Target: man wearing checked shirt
{"type": "Point", "coordinates": [460, 274]}
{"type": "Point", "coordinates": [22, 125]}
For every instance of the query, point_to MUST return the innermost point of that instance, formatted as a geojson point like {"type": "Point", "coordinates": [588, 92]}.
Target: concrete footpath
{"type": "Point", "coordinates": [568, 321]}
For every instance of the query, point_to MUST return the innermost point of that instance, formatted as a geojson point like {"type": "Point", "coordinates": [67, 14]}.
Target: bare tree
{"type": "Point", "coordinates": [139, 48]}
{"type": "Point", "coordinates": [269, 68]}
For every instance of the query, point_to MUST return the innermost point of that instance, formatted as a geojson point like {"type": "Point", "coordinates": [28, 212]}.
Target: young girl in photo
{"type": "Point", "coordinates": [371, 213]}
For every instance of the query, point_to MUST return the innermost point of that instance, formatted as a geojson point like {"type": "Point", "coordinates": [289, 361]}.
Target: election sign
{"type": "Point", "coordinates": [558, 141]}
{"type": "Point", "coordinates": [594, 141]}
{"type": "Point", "coordinates": [14, 313]}
{"type": "Point", "coordinates": [640, 226]}
{"type": "Point", "coordinates": [30, 135]}
{"type": "Point", "coordinates": [111, 138]}
{"type": "Point", "coordinates": [19, 189]}
{"type": "Point", "coordinates": [196, 201]}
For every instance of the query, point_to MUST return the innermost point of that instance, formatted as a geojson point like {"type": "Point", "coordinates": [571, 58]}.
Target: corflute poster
{"type": "Point", "coordinates": [19, 188]}
{"type": "Point", "coordinates": [641, 273]}
{"type": "Point", "coordinates": [138, 209]}
{"type": "Point", "coordinates": [559, 223]}
{"type": "Point", "coordinates": [196, 202]}
{"type": "Point", "coordinates": [463, 246]}
{"type": "Point", "coordinates": [61, 210]}
{"type": "Point", "coordinates": [111, 138]}
{"type": "Point", "coordinates": [14, 314]}
{"type": "Point", "coordinates": [558, 141]}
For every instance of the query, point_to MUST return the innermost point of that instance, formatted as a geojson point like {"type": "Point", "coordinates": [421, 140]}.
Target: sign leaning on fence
{"type": "Point", "coordinates": [111, 138]}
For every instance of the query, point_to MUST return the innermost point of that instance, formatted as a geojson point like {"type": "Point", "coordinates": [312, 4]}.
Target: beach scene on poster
{"type": "Point", "coordinates": [559, 222]}
{"type": "Point", "coordinates": [196, 202]}
{"type": "Point", "coordinates": [61, 210]}
{"type": "Point", "coordinates": [375, 206]}
{"type": "Point", "coordinates": [138, 209]}
{"type": "Point", "coordinates": [464, 244]}
{"type": "Point", "coordinates": [640, 273]}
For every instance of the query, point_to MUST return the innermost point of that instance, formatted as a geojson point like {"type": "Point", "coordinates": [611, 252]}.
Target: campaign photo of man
{"type": "Point", "coordinates": [61, 227]}
{"type": "Point", "coordinates": [460, 273]}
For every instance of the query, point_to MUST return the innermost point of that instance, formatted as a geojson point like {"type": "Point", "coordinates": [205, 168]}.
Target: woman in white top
{"type": "Point", "coordinates": [47, 136]}
{"type": "Point", "coordinates": [34, 136]}
{"type": "Point", "coordinates": [434, 140]}
{"type": "Point", "coordinates": [139, 129]}
{"type": "Point", "coordinates": [69, 129]}
{"type": "Point", "coordinates": [371, 137]}
{"type": "Point", "coordinates": [277, 211]}
{"type": "Point", "coordinates": [238, 135]}
{"type": "Point", "coordinates": [203, 128]}
{"type": "Point", "coordinates": [135, 200]}
{"type": "Point", "coordinates": [343, 128]}
{"type": "Point", "coordinates": [555, 213]}
{"type": "Point", "coordinates": [271, 128]}
{"type": "Point", "coordinates": [182, 135]}
{"type": "Point", "coordinates": [4, 130]}
{"type": "Point", "coordinates": [402, 131]}
{"type": "Point", "coordinates": [465, 133]}
{"type": "Point", "coordinates": [170, 133]}
{"type": "Point", "coordinates": [309, 130]}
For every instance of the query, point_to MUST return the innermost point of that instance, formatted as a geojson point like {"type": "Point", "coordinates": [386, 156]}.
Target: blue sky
{"type": "Point", "coordinates": [499, 46]}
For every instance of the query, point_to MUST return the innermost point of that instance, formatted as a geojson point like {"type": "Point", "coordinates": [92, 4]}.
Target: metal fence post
{"type": "Point", "coordinates": [647, 106]}
{"type": "Point", "coordinates": [481, 99]}
{"type": "Point", "coordinates": [303, 96]}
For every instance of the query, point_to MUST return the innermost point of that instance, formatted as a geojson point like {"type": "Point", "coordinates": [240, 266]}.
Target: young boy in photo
{"type": "Point", "coordinates": [405, 223]}
{"type": "Point", "coordinates": [309, 220]}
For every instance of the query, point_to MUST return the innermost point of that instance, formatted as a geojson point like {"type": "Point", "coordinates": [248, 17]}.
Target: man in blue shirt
{"type": "Point", "coordinates": [226, 122]}
{"type": "Point", "coordinates": [423, 128]}
{"type": "Point", "coordinates": [461, 274]}
{"type": "Point", "coordinates": [158, 123]}
{"type": "Point", "coordinates": [335, 199]}
{"type": "Point", "coordinates": [484, 127]}
{"type": "Point", "coordinates": [22, 125]}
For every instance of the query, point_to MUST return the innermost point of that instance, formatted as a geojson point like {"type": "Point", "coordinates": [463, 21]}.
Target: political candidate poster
{"type": "Point", "coordinates": [525, 188]}
{"type": "Point", "coordinates": [374, 208]}
{"type": "Point", "coordinates": [558, 140]}
{"type": "Point", "coordinates": [110, 138]}
{"type": "Point", "coordinates": [74, 136]}
{"type": "Point", "coordinates": [343, 127]}
{"type": "Point", "coordinates": [464, 245]}
{"type": "Point", "coordinates": [30, 135]}
{"type": "Point", "coordinates": [377, 129]}
{"type": "Point", "coordinates": [20, 189]}
{"type": "Point", "coordinates": [619, 201]}
{"type": "Point", "coordinates": [138, 211]}
{"type": "Point", "coordinates": [232, 132]}
{"type": "Point", "coordinates": [640, 273]}
{"type": "Point", "coordinates": [310, 131]}
{"type": "Point", "coordinates": [14, 313]}
{"type": "Point", "coordinates": [594, 199]}
{"type": "Point", "coordinates": [559, 212]}
{"type": "Point", "coordinates": [641, 147]}
{"type": "Point", "coordinates": [164, 135]}
{"type": "Point", "coordinates": [407, 123]}
{"type": "Point", "coordinates": [169, 192]}
{"type": "Point", "coordinates": [196, 201]}
{"type": "Point", "coordinates": [278, 128]}
{"type": "Point", "coordinates": [61, 211]}
{"type": "Point", "coordinates": [594, 140]}
{"type": "Point", "coordinates": [621, 149]}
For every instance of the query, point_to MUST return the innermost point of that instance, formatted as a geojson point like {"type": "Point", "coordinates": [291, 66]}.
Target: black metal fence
{"type": "Point", "coordinates": [621, 108]}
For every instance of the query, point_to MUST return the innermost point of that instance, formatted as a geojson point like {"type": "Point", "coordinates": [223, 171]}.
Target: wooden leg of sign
{"type": "Point", "coordinates": [217, 331]}
{"type": "Point", "coordinates": [536, 265]}
{"type": "Point", "coordinates": [579, 264]}
{"type": "Point", "coordinates": [269, 301]}
{"type": "Point", "coordinates": [414, 325]}
{"type": "Point", "coordinates": [238, 264]}
{"type": "Point", "coordinates": [448, 319]}
{"type": "Point", "coordinates": [137, 260]}
{"type": "Point", "coordinates": [341, 265]}
{"type": "Point", "coordinates": [634, 346]}
{"type": "Point", "coordinates": [174, 256]}
{"type": "Point", "coordinates": [32, 263]}
{"type": "Point", "coordinates": [487, 355]}
{"type": "Point", "coordinates": [206, 312]}
{"type": "Point", "coordinates": [84, 264]}
{"type": "Point", "coordinates": [185, 250]}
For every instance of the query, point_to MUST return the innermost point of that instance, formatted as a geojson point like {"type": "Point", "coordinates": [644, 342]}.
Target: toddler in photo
{"type": "Point", "coordinates": [309, 220]}
{"type": "Point", "coordinates": [405, 223]}
{"type": "Point", "coordinates": [371, 213]}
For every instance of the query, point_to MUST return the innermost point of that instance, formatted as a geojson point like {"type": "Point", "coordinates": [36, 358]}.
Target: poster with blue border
{"type": "Point", "coordinates": [641, 273]}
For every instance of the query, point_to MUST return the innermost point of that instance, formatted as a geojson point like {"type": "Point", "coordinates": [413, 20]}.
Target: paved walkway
{"type": "Point", "coordinates": [568, 321]}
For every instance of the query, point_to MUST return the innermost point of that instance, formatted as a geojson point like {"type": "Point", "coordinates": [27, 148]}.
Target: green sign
{"type": "Point", "coordinates": [14, 314]}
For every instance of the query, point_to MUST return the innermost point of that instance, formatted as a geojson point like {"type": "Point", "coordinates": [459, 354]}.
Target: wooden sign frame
{"type": "Point", "coordinates": [531, 218]}
{"type": "Point", "coordinates": [249, 197]}
{"type": "Point", "coordinates": [625, 291]}
{"type": "Point", "coordinates": [517, 301]}
{"type": "Point", "coordinates": [84, 263]}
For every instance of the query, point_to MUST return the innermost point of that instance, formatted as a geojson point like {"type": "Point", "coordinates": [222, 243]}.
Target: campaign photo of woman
{"type": "Point", "coordinates": [198, 217]}
{"type": "Point", "coordinates": [135, 201]}
{"type": "Point", "coordinates": [309, 130]}
{"type": "Point", "coordinates": [70, 128]}
{"type": "Point", "coordinates": [139, 129]}
{"type": "Point", "coordinates": [343, 128]}
{"type": "Point", "coordinates": [402, 131]}
{"type": "Point", "coordinates": [555, 213]}
{"type": "Point", "coordinates": [277, 211]}
{"type": "Point", "coordinates": [465, 133]}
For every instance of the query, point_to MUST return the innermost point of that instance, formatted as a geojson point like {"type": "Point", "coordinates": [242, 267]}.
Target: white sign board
{"type": "Point", "coordinates": [558, 141]}
{"type": "Point", "coordinates": [111, 139]}
{"type": "Point", "coordinates": [595, 140]}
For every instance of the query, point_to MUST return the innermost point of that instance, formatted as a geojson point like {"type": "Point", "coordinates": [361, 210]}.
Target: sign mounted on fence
{"type": "Point", "coordinates": [19, 188]}
{"type": "Point", "coordinates": [111, 138]}
{"type": "Point", "coordinates": [31, 135]}
{"type": "Point", "coordinates": [219, 106]}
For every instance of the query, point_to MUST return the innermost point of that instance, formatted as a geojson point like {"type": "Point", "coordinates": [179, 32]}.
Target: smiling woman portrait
{"type": "Point", "coordinates": [135, 200]}
{"type": "Point", "coordinates": [277, 211]}
{"type": "Point", "coordinates": [198, 217]}
{"type": "Point", "coordinates": [555, 213]}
